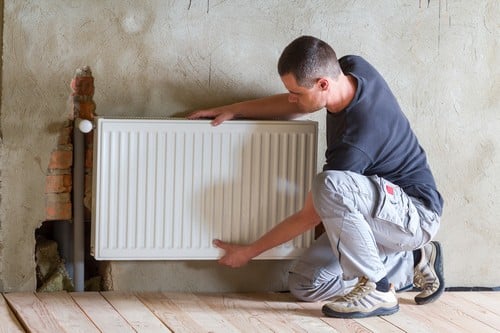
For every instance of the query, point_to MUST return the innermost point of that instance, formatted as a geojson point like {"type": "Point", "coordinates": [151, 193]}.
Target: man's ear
{"type": "Point", "coordinates": [323, 83]}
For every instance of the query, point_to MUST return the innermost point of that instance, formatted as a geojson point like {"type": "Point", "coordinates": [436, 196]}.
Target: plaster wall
{"type": "Point", "coordinates": [160, 58]}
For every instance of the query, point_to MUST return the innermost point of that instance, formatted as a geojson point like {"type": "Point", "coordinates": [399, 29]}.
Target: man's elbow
{"type": "Point", "coordinates": [310, 218]}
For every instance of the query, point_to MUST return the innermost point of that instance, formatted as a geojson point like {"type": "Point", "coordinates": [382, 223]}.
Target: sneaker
{"type": "Point", "coordinates": [363, 301]}
{"type": "Point", "coordinates": [428, 274]}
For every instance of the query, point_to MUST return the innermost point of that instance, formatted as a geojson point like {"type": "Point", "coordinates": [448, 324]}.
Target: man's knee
{"type": "Point", "coordinates": [309, 291]}
{"type": "Point", "coordinates": [301, 288]}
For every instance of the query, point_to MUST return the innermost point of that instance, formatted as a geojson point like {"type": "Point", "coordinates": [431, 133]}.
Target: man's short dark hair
{"type": "Point", "coordinates": [308, 58]}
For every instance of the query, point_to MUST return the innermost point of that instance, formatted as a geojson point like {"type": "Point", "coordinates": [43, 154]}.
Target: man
{"type": "Point", "coordinates": [376, 197]}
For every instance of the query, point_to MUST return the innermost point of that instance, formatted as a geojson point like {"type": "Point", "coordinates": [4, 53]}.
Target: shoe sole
{"type": "Point", "coordinates": [438, 268]}
{"type": "Point", "coordinates": [378, 312]}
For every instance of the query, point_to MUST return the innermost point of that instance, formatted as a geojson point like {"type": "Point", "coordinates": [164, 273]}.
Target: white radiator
{"type": "Point", "coordinates": [163, 189]}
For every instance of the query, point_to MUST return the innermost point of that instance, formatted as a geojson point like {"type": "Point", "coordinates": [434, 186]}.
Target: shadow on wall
{"type": "Point", "coordinates": [54, 260]}
{"type": "Point", "coordinates": [172, 98]}
{"type": "Point", "coordinates": [200, 276]}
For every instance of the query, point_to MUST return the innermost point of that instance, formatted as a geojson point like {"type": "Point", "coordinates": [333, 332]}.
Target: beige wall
{"type": "Point", "coordinates": [159, 58]}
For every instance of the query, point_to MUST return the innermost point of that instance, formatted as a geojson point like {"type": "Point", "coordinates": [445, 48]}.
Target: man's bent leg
{"type": "Point", "coordinates": [317, 275]}
{"type": "Point", "coordinates": [346, 201]}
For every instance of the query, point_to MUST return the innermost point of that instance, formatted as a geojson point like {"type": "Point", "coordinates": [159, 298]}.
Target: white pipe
{"type": "Point", "coordinates": [81, 126]}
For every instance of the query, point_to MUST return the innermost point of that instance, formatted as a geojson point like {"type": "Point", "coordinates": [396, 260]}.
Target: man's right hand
{"type": "Point", "coordinates": [234, 255]}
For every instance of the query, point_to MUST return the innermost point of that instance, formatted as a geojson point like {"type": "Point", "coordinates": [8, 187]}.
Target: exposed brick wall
{"type": "Point", "coordinates": [59, 178]}
{"type": "Point", "coordinates": [58, 183]}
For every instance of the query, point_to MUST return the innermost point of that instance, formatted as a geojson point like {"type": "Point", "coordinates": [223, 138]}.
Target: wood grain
{"type": "Point", "coordinates": [234, 312]}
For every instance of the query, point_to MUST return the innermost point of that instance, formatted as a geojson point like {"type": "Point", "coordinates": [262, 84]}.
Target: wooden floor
{"type": "Point", "coordinates": [263, 312]}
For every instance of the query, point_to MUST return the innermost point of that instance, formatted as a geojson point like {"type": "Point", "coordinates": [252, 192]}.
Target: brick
{"type": "Point", "coordinates": [58, 183]}
{"type": "Point", "coordinates": [53, 172]}
{"type": "Point", "coordinates": [83, 85]}
{"type": "Point", "coordinates": [58, 197]}
{"type": "Point", "coordinates": [85, 110]}
{"type": "Point", "coordinates": [58, 206]}
{"type": "Point", "coordinates": [65, 136]}
{"type": "Point", "coordinates": [61, 159]}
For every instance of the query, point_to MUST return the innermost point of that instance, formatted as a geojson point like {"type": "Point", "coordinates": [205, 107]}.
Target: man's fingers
{"type": "Point", "coordinates": [218, 118]}
{"type": "Point", "coordinates": [200, 114]}
{"type": "Point", "coordinates": [222, 118]}
{"type": "Point", "coordinates": [220, 244]}
{"type": "Point", "coordinates": [234, 255]}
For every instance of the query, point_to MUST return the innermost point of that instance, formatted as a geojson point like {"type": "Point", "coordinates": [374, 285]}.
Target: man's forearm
{"type": "Point", "coordinates": [271, 107]}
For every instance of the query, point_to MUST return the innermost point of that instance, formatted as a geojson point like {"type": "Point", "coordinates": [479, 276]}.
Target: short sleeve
{"type": "Point", "coordinates": [348, 158]}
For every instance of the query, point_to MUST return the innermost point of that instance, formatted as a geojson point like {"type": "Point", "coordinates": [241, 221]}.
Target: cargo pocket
{"type": "Point", "coordinates": [394, 206]}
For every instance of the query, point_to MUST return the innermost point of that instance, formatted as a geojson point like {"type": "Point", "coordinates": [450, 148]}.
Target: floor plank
{"type": "Point", "coordinates": [487, 300]}
{"type": "Point", "coordinates": [8, 320]}
{"type": "Point", "coordinates": [66, 312]}
{"type": "Point", "coordinates": [169, 313]}
{"type": "Point", "coordinates": [135, 312]}
{"type": "Point", "coordinates": [306, 315]}
{"type": "Point", "coordinates": [200, 312]}
{"type": "Point", "coordinates": [102, 314]}
{"type": "Point", "coordinates": [440, 316]}
{"type": "Point", "coordinates": [246, 318]}
{"type": "Point", "coordinates": [32, 313]}
{"type": "Point", "coordinates": [282, 310]}
{"type": "Point", "coordinates": [380, 324]}
{"type": "Point", "coordinates": [459, 315]}
{"type": "Point", "coordinates": [415, 322]}
{"type": "Point", "coordinates": [471, 304]}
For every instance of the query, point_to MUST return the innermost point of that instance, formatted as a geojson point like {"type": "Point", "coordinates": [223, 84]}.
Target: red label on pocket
{"type": "Point", "coordinates": [389, 189]}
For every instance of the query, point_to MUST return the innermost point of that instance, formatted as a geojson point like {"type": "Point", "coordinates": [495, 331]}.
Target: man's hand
{"type": "Point", "coordinates": [219, 115]}
{"type": "Point", "coordinates": [235, 255]}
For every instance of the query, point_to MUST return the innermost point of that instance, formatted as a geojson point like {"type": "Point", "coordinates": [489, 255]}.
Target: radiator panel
{"type": "Point", "coordinates": [163, 189]}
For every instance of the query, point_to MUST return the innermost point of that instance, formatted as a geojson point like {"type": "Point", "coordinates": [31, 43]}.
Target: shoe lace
{"type": "Point", "coordinates": [419, 279]}
{"type": "Point", "coordinates": [359, 291]}
{"type": "Point", "coordinates": [424, 282]}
